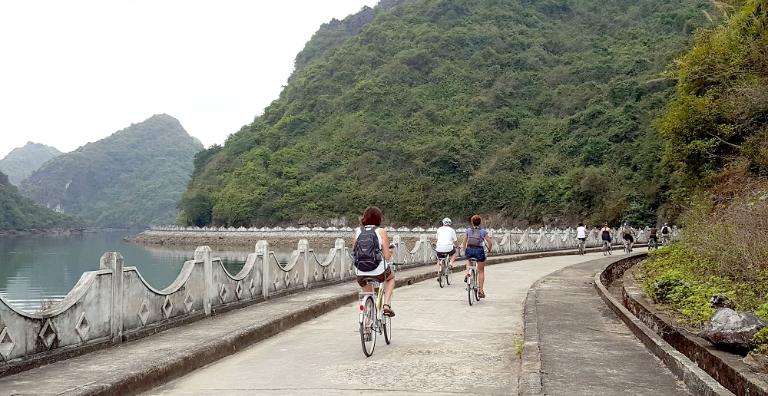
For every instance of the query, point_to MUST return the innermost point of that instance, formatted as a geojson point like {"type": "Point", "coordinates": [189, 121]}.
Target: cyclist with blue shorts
{"type": "Point", "coordinates": [475, 241]}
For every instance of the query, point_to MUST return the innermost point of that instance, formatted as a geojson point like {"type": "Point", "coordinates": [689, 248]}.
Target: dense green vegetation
{"type": "Point", "coordinates": [22, 161]}
{"type": "Point", "coordinates": [716, 131]}
{"type": "Point", "coordinates": [20, 213]}
{"type": "Point", "coordinates": [718, 116]}
{"type": "Point", "coordinates": [536, 111]}
{"type": "Point", "coordinates": [132, 178]}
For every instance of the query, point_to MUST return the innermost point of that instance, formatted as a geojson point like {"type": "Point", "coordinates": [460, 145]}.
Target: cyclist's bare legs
{"type": "Point", "coordinates": [481, 275]}
{"type": "Point", "coordinates": [389, 287]}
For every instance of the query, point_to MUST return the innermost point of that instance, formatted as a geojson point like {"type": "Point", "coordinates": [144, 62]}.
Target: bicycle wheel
{"type": "Point", "coordinates": [448, 273]}
{"type": "Point", "coordinates": [367, 331]}
{"type": "Point", "coordinates": [475, 285]}
{"type": "Point", "coordinates": [469, 289]}
{"type": "Point", "coordinates": [386, 323]}
{"type": "Point", "coordinates": [441, 264]}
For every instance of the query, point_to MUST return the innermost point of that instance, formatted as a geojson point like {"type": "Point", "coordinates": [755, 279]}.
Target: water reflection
{"type": "Point", "coordinates": [38, 269]}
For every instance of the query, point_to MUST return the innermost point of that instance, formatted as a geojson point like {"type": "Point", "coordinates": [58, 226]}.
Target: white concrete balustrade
{"type": "Point", "coordinates": [115, 303]}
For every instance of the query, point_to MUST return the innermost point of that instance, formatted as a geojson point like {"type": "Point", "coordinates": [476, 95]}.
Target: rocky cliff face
{"type": "Point", "coordinates": [132, 178]}
{"type": "Point", "coordinates": [22, 161]}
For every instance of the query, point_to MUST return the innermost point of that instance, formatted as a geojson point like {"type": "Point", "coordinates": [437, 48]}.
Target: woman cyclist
{"type": "Point", "coordinates": [474, 239]}
{"type": "Point", "coordinates": [370, 231]}
{"type": "Point", "coordinates": [605, 235]}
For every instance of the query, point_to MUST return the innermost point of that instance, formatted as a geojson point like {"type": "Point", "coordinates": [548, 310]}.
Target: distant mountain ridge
{"type": "Point", "coordinates": [20, 213]}
{"type": "Point", "coordinates": [22, 161]}
{"type": "Point", "coordinates": [132, 178]}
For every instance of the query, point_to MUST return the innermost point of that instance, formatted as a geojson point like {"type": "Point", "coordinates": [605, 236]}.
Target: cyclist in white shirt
{"type": "Point", "coordinates": [446, 242]}
{"type": "Point", "coordinates": [581, 233]}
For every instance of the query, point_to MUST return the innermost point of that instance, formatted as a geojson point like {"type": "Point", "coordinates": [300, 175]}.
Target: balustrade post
{"type": "Point", "coordinates": [304, 249]}
{"type": "Point", "coordinates": [425, 248]}
{"type": "Point", "coordinates": [262, 249]}
{"type": "Point", "coordinates": [114, 261]}
{"type": "Point", "coordinates": [203, 253]}
{"type": "Point", "coordinates": [341, 255]}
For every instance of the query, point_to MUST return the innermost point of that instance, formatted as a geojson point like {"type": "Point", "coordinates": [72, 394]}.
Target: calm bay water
{"type": "Point", "coordinates": [36, 269]}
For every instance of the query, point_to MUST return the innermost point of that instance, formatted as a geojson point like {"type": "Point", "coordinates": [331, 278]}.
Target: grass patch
{"type": "Point", "coordinates": [519, 346]}
{"type": "Point", "coordinates": [684, 281]}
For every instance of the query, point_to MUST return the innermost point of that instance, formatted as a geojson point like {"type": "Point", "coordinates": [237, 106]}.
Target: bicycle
{"type": "Point", "coordinates": [372, 319]}
{"type": "Point", "coordinates": [581, 247]}
{"type": "Point", "coordinates": [473, 290]}
{"type": "Point", "coordinates": [652, 244]}
{"type": "Point", "coordinates": [627, 247]}
{"type": "Point", "coordinates": [607, 250]}
{"type": "Point", "coordinates": [664, 239]}
{"type": "Point", "coordinates": [444, 269]}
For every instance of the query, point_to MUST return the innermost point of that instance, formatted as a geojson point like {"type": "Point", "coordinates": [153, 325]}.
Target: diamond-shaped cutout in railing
{"type": "Point", "coordinates": [188, 301]}
{"type": "Point", "coordinates": [296, 277]}
{"type": "Point", "coordinates": [252, 288]}
{"type": "Point", "coordinates": [287, 279]}
{"type": "Point", "coordinates": [223, 294]}
{"type": "Point", "coordinates": [239, 290]}
{"type": "Point", "coordinates": [82, 327]}
{"type": "Point", "coordinates": [333, 271]}
{"type": "Point", "coordinates": [167, 307]}
{"type": "Point", "coordinates": [325, 273]}
{"type": "Point", "coordinates": [143, 313]}
{"type": "Point", "coordinates": [316, 275]}
{"type": "Point", "coordinates": [6, 343]}
{"type": "Point", "coordinates": [48, 334]}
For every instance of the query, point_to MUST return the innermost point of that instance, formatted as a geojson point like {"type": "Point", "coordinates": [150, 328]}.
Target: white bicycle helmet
{"type": "Point", "coordinates": [446, 221]}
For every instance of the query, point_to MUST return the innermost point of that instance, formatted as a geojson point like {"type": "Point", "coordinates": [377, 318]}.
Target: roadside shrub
{"type": "Point", "coordinates": [761, 341]}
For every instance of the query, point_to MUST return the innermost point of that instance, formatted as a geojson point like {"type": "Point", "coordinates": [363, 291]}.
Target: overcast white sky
{"type": "Point", "coordinates": [76, 71]}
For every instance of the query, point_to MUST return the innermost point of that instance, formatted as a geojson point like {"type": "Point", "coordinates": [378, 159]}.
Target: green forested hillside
{"type": "Point", "coordinates": [22, 161]}
{"type": "Point", "coordinates": [132, 178]}
{"type": "Point", "coordinates": [539, 111]}
{"type": "Point", "coordinates": [716, 144]}
{"type": "Point", "coordinates": [19, 213]}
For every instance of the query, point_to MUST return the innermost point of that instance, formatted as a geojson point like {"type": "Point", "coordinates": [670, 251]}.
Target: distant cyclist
{"type": "Point", "coordinates": [665, 233]}
{"type": "Point", "coordinates": [628, 235]}
{"type": "Point", "coordinates": [652, 235]}
{"type": "Point", "coordinates": [474, 240]}
{"type": "Point", "coordinates": [605, 234]}
{"type": "Point", "coordinates": [581, 233]}
{"type": "Point", "coordinates": [446, 243]}
{"type": "Point", "coordinates": [372, 254]}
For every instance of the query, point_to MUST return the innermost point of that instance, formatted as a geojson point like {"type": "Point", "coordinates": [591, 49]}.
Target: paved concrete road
{"type": "Point", "coordinates": [585, 348]}
{"type": "Point", "coordinates": [440, 345]}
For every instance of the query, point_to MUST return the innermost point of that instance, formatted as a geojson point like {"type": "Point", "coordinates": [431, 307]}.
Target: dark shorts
{"type": "Point", "coordinates": [582, 239]}
{"type": "Point", "coordinates": [629, 238]}
{"type": "Point", "coordinates": [654, 237]}
{"type": "Point", "coordinates": [381, 277]}
{"type": "Point", "coordinates": [476, 252]}
{"type": "Point", "coordinates": [446, 254]}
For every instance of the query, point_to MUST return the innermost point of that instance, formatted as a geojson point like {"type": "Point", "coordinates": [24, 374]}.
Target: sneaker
{"type": "Point", "coordinates": [481, 294]}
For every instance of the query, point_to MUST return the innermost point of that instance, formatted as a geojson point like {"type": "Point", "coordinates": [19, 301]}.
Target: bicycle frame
{"type": "Point", "coordinates": [378, 290]}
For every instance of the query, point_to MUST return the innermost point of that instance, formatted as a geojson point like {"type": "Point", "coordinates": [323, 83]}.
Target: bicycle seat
{"type": "Point", "coordinates": [370, 279]}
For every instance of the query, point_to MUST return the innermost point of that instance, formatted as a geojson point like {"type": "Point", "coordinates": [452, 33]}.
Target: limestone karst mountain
{"type": "Point", "coordinates": [538, 111]}
{"type": "Point", "coordinates": [132, 178]}
{"type": "Point", "coordinates": [22, 161]}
